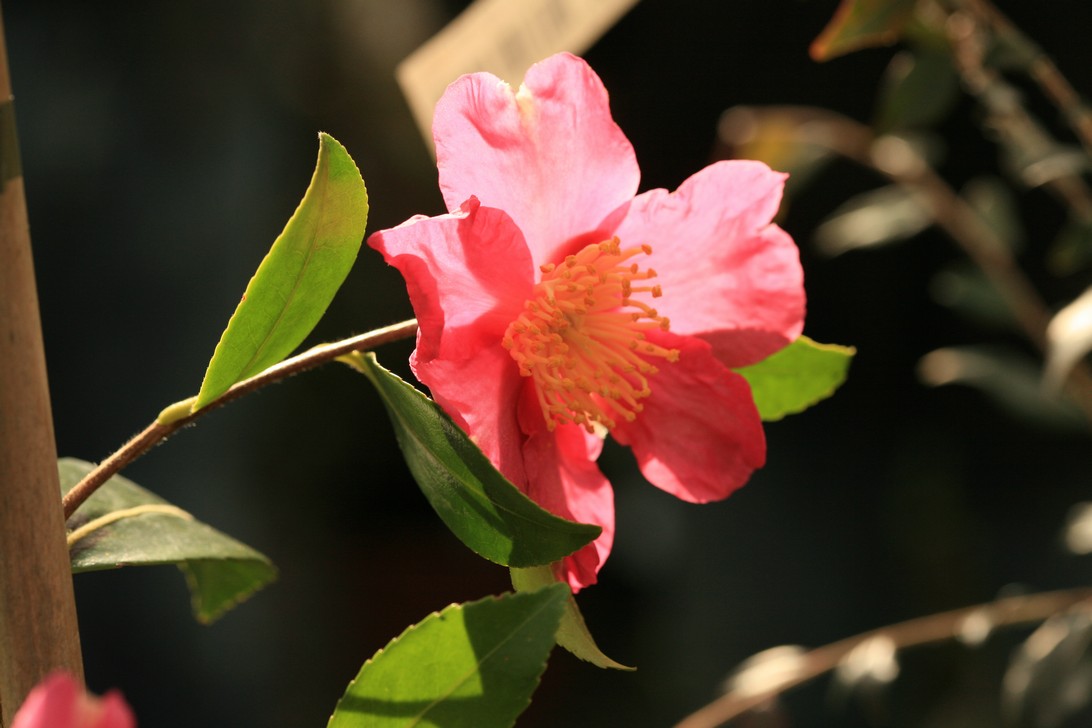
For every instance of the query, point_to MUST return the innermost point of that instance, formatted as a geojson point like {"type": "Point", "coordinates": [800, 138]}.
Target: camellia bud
{"type": "Point", "coordinates": [60, 702]}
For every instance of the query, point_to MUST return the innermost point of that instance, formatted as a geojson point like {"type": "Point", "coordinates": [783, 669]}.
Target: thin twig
{"type": "Point", "coordinates": [1008, 118]}
{"type": "Point", "coordinates": [1041, 69]}
{"type": "Point", "coordinates": [903, 165]}
{"type": "Point", "coordinates": [157, 432]}
{"type": "Point", "coordinates": [1008, 612]}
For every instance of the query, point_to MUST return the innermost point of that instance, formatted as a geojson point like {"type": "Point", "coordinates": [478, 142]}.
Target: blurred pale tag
{"type": "Point", "coordinates": [1069, 339]}
{"type": "Point", "coordinates": [504, 37]}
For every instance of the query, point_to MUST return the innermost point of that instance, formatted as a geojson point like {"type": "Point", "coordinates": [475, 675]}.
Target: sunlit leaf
{"type": "Point", "coordinates": [470, 665]}
{"type": "Point", "coordinates": [879, 217]}
{"type": "Point", "coordinates": [572, 633]}
{"type": "Point", "coordinates": [480, 506]}
{"type": "Point", "coordinates": [124, 525]}
{"type": "Point", "coordinates": [298, 277]}
{"type": "Point", "coordinates": [1011, 379]}
{"type": "Point", "coordinates": [798, 376]}
{"type": "Point", "coordinates": [918, 89]}
{"type": "Point", "coordinates": [1069, 339]}
{"type": "Point", "coordinates": [862, 24]}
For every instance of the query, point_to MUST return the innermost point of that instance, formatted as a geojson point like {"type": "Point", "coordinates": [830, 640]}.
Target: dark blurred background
{"type": "Point", "coordinates": [165, 145]}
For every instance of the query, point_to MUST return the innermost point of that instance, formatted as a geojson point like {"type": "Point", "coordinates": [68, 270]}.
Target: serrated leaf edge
{"type": "Point", "coordinates": [207, 617]}
{"type": "Point", "coordinates": [439, 615]}
{"type": "Point", "coordinates": [524, 577]}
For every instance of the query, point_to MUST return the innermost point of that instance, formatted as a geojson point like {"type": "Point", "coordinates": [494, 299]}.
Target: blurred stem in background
{"type": "Point", "coordinates": [900, 162]}
{"type": "Point", "coordinates": [774, 671]}
{"type": "Point", "coordinates": [973, 43]}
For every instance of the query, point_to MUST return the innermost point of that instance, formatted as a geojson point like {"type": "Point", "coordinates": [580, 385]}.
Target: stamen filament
{"type": "Point", "coordinates": [587, 354]}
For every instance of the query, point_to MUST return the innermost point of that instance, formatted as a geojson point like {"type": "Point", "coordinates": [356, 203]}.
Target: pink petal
{"type": "Point", "coordinates": [59, 702]}
{"type": "Point", "coordinates": [482, 394]}
{"type": "Point", "coordinates": [728, 275]}
{"type": "Point", "coordinates": [51, 703]}
{"type": "Point", "coordinates": [699, 436]}
{"type": "Point", "coordinates": [468, 275]}
{"type": "Point", "coordinates": [549, 155]}
{"type": "Point", "coordinates": [115, 712]}
{"type": "Point", "coordinates": [565, 480]}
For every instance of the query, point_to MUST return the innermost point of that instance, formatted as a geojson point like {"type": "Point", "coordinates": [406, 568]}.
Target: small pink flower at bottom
{"type": "Point", "coordinates": [59, 702]}
{"type": "Point", "coordinates": [556, 304]}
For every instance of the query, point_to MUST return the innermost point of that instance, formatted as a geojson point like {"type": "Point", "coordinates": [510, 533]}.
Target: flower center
{"type": "Point", "coordinates": [576, 338]}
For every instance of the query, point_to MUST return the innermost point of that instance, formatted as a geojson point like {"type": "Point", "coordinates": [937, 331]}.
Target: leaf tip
{"type": "Point", "coordinates": [859, 24]}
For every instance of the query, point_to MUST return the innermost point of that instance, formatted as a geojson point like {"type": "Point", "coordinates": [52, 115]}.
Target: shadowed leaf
{"type": "Point", "coordinates": [1071, 250]}
{"type": "Point", "coordinates": [965, 289]}
{"type": "Point", "coordinates": [919, 89]}
{"type": "Point", "coordinates": [1010, 378]}
{"type": "Point", "coordinates": [480, 506]}
{"type": "Point", "coordinates": [124, 525]}
{"type": "Point", "coordinates": [1049, 680]}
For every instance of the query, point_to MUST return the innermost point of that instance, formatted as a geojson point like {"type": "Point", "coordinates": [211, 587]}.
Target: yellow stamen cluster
{"type": "Point", "coordinates": [586, 352]}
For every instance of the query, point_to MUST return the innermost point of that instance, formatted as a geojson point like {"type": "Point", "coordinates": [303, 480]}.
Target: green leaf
{"type": "Point", "coordinates": [995, 203]}
{"type": "Point", "coordinates": [572, 633]}
{"type": "Point", "coordinates": [798, 376]}
{"type": "Point", "coordinates": [964, 288]}
{"type": "Point", "coordinates": [918, 90]}
{"type": "Point", "coordinates": [298, 277]}
{"type": "Point", "coordinates": [124, 525]}
{"type": "Point", "coordinates": [862, 24]}
{"type": "Point", "coordinates": [1071, 250]}
{"type": "Point", "coordinates": [480, 506]}
{"type": "Point", "coordinates": [471, 665]}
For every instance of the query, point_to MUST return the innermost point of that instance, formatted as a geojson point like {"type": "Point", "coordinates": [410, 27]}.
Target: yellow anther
{"type": "Point", "coordinates": [585, 352]}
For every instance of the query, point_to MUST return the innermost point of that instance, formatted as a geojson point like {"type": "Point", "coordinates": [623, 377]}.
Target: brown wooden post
{"type": "Point", "coordinates": [38, 629]}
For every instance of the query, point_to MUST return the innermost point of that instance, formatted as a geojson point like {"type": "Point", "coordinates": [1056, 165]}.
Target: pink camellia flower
{"type": "Point", "coordinates": [59, 702]}
{"type": "Point", "coordinates": [555, 305]}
